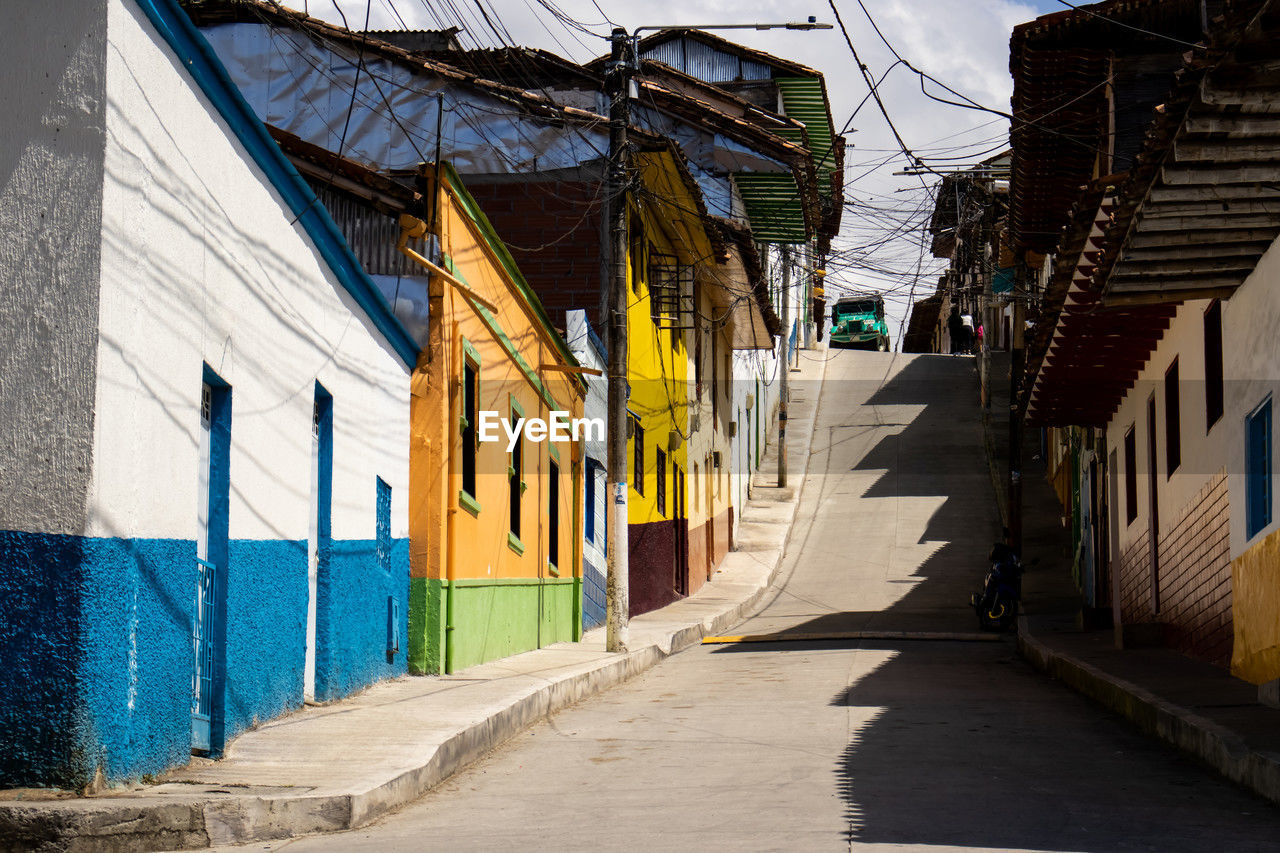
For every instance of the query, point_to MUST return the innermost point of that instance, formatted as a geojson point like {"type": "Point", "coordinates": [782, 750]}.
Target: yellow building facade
{"type": "Point", "coordinates": [667, 245]}
{"type": "Point", "coordinates": [495, 515]}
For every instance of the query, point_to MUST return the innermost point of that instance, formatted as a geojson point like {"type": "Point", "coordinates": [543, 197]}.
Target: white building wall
{"type": "Point", "coordinates": [51, 144]}
{"type": "Point", "coordinates": [755, 384]}
{"type": "Point", "coordinates": [1202, 454]}
{"type": "Point", "coordinates": [201, 264]}
{"type": "Point", "coordinates": [1251, 371]}
{"type": "Point", "coordinates": [595, 406]}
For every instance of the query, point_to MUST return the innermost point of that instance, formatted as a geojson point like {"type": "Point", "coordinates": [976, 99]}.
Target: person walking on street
{"type": "Point", "coordinates": [955, 327]}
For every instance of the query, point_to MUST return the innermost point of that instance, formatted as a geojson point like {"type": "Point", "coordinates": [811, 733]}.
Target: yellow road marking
{"type": "Point", "coordinates": [954, 636]}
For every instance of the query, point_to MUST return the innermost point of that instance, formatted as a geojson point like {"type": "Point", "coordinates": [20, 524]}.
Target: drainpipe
{"type": "Point", "coordinates": [455, 414]}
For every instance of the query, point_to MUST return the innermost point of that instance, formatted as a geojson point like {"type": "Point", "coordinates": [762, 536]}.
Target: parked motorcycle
{"type": "Point", "coordinates": [997, 603]}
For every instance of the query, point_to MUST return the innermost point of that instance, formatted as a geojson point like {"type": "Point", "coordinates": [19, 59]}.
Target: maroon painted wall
{"type": "Point", "coordinates": [552, 229]}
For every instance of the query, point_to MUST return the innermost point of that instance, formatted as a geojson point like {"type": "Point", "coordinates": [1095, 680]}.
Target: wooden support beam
{"type": "Point", "coordinates": [1114, 333]}
{"type": "Point", "coordinates": [1206, 236]}
{"type": "Point", "coordinates": [1136, 347]}
{"type": "Point", "coordinates": [1253, 150]}
{"type": "Point", "coordinates": [1068, 413]}
{"type": "Point", "coordinates": [1209, 220]}
{"type": "Point", "coordinates": [1234, 126]}
{"type": "Point", "coordinates": [1248, 99]}
{"type": "Point", "coordinates": [1072, 401]}
{"type": "Point", "coordinates": [1211, 192]}
{"type": "Point", "coordinates": [1092, 360]}
{"type": "Point", "coordinates": [1136, 341]}
{"type": "Point", "coordinates": [1178, 175]}
{"type": "Point", "coordinates": [1099, 358]}
{"type": "Point", "coordinates": [1169, 284]}
{"type": "Point", "coordinates": [1187, 267]}
{"type": "Point", "coordinates": [1149, 297]}
{"type": "Point", "coordinates": [1094, 371]}
{"type": "Point", "coordinates": [1059, 395]}
{"type": "Point", "coordinates": [1182, 252]}
{"type": "Point", "coordinates": [1237, 207]}
{"type": "Point", "coordinates": [1121, 376]}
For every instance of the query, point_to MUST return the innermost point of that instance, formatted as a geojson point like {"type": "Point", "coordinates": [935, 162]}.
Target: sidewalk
{"type": "Point", "coordinates": [1198, 708]}
{"type": "Point", "coordinates": [344, 764]}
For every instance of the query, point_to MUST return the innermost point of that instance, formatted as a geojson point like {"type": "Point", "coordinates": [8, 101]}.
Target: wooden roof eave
{"type": "Point", "coordinates": [1203, 202]}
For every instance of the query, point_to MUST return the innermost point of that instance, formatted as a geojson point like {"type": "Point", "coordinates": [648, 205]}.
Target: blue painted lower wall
{"type": "Point", "coordinates": [266, 631]}
{"type": "Point", "coordinates": [96, 645]}
{"type": "Point", "coordinates": [352, 615]}
{"type": "Point", "coordinates": [39, 638]}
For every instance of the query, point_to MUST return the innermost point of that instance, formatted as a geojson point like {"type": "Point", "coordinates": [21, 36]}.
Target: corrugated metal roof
{"type": "Point", "coordinates": [706, 62]}
{"type": "Point", "coordinates": [773, 207]}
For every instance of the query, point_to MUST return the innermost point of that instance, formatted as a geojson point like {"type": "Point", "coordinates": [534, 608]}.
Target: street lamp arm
{"type": "Point", "coordinates": [811, 24]}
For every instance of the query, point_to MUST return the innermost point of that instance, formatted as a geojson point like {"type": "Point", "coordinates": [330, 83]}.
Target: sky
{"type": "Point", "coordinates": [962, 43]}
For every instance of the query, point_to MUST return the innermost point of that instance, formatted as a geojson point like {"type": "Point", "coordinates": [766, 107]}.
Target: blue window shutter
{"type": "Point", "coordinates": [590, 502]}
{"type": "Point", "coordinates": [384, 525]}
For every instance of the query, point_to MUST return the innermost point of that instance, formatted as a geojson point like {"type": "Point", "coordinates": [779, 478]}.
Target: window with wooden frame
{"type": "Point", "coordinates": [637, 455]}
{"type": "Point", "coordinates": [1172, 420]}
{"type": "Point", "coordinates": [1212, 365]}
{"type": "Point", "coordinates": [667, 281]}
{"type": "Point", "coordinates": [652, 273]}
{"type": "Point", "coordinates": [697, 349]}
{"type": "Point", "coordinates": [715, 374]}
{"type": "Point", "coordinates": [1130, 476]}
{"type": "Point", "coordinates": [468, 426]}
{"type": "Point", "coordinates": [660, 481]}
{"type": "Point", "coordinates": [636, 251]}
{"type": "Point", "coordinates": [515, 473]}
{"type": "Point", "coordinates": [553, 513]}
{"type": "Point", "coordinates": [1257, 460]}
{"type": "Point", "coordinates": [728, 374]}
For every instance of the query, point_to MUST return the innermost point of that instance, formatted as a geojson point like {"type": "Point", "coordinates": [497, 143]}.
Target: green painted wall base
{"type": "Point", "coordinates": [454, 626]}
{"type": "Point", "coordinates": [426, 626]}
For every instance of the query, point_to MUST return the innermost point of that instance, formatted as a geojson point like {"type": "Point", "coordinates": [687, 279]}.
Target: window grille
{"type": "Point", "coordinates": [670, 292]}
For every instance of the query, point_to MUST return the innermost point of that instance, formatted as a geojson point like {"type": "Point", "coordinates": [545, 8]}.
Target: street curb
{"type": "Point", "coordinates": [1214, 745]}
{"type": "Point", "coordinates": [132, 825]}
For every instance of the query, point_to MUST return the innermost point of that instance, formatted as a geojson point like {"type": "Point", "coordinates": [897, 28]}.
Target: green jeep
{"type": "Point", "coordinates": [858, 322]}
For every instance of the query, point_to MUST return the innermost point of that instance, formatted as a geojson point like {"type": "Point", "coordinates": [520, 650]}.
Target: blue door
{"type": "Point", "coordinates": [202, 674]}
{"type": "Point", "coordinates": [209, 617]}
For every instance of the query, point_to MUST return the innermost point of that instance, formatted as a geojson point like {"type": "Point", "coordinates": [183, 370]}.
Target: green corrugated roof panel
{"type": "Point", "coordinates": [804, 99]}
{"type": "Point", "coordinates": [773, 206]}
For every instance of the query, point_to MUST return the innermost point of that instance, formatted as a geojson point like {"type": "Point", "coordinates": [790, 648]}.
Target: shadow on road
{"type": "Point", "coordinates": [962, 744]}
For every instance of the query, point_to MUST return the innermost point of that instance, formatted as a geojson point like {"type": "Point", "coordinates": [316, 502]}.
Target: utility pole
{"type": "Point", "coordinates": [806, 300]}
{"type": "Point", "coordinates": [1017, 366]}
{"type": "Point", "coordinates": [623, 63]}
{"type": "Point", "coordinates": [617, 84]}
{"type": "Point", "coordinates": [784, 391]}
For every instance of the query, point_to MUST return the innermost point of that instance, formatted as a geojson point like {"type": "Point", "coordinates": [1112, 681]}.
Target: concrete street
{"type": "Point", "coordinates": [869, 745]}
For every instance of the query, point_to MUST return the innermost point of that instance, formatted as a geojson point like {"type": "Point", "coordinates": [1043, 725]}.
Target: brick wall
{"type": "Point", "coordinates": [552, 229]}
{"type": "Point", "coordinates": [1195, 577]}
